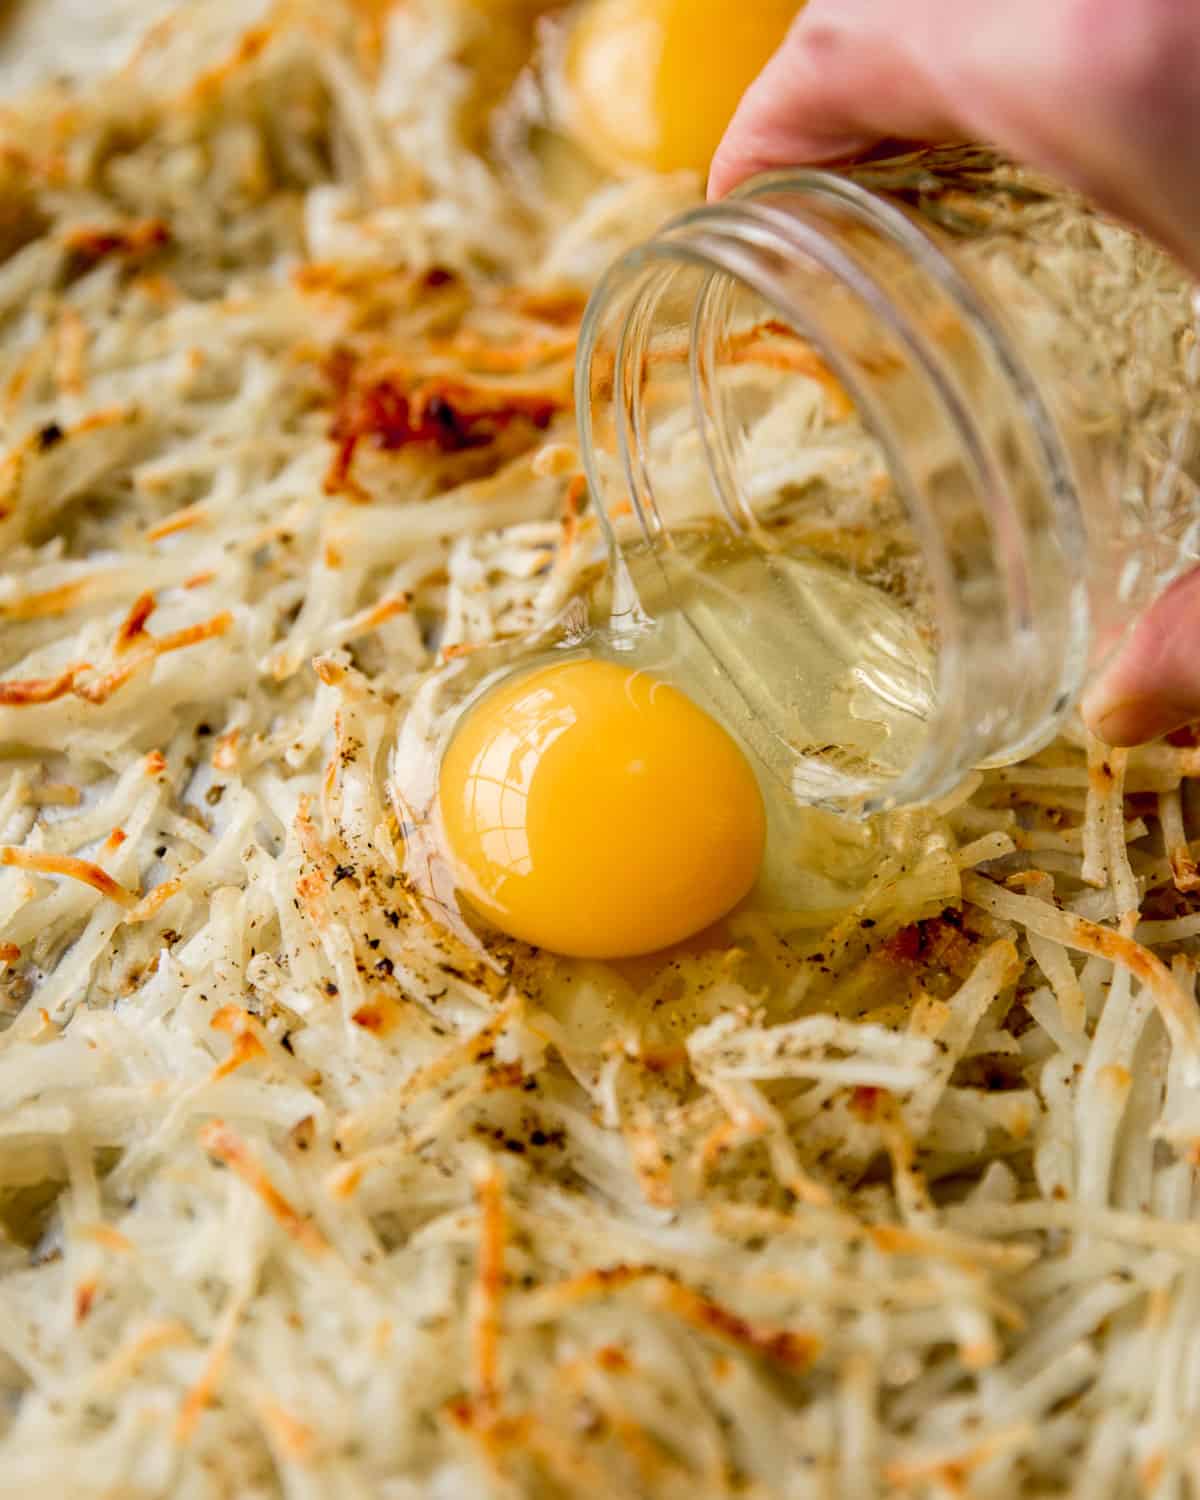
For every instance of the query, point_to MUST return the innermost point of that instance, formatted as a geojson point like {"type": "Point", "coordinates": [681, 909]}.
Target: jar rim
{"type": "Point", "coordinates": [742, 238]}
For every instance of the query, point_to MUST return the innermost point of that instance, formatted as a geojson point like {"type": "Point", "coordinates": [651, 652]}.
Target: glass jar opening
{"type": "Point", "coordinates": [810, 443]}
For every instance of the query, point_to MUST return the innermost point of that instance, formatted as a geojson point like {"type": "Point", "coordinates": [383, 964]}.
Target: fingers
{"type": "Point", "coordinates": [1153, 685]}
{"type": "Point", "coordinates": [842, 81]}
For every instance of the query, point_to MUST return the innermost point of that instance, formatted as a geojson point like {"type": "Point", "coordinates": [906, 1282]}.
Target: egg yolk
{"type": "Point", "coordinates": [652, 84]}
{"type": "Point", "coordinates": [596, 811]}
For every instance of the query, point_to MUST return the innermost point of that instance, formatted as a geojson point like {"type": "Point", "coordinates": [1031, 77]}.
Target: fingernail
{"type": "Point", "coordinates": [1133, 721]}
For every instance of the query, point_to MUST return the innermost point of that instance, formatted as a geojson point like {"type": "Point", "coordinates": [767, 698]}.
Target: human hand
{"type": "Point", "coordinates": [1102, 94]}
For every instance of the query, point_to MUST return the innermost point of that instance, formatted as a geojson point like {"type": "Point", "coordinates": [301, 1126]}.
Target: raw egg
{"type": "Point", "coordinates": [595, 810]}
{"type": "Point", "coordinates": [652, 84]}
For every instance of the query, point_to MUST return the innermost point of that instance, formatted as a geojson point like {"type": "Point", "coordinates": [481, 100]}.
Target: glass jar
{"type": "Point", "coordinates": [904, 450]}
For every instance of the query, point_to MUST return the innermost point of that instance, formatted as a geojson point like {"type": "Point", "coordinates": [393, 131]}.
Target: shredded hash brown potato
{"type": "Point", "coordinates": [299, 1198]}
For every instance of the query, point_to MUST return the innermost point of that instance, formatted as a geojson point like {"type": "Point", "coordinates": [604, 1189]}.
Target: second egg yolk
{"type": "Point", "coordinates": [598, 812]}
{"type": "Point", "coordinates": [652, 84]}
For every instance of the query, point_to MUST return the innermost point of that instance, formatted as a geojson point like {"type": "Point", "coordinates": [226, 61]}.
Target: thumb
{"type": "Point", "coordinates": [834, 89]}
{"type": "Point", "coordinates": [1153, 684]}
